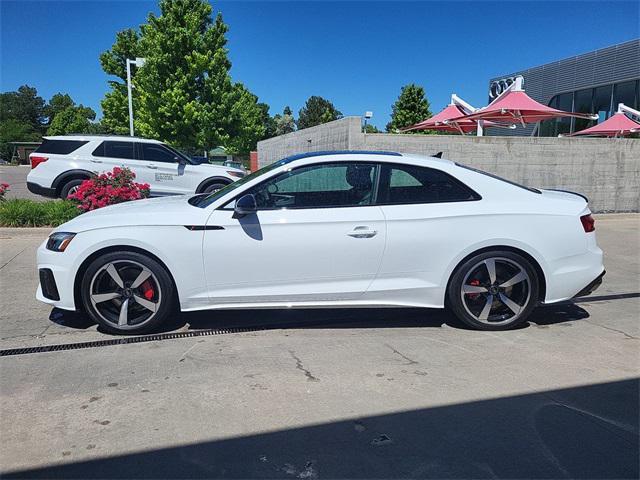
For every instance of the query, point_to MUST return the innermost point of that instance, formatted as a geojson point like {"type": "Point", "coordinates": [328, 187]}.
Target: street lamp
{"type": "Point", "coordinates": [138, 62]}
{"type": "Point", "coordinates": [367, 116]}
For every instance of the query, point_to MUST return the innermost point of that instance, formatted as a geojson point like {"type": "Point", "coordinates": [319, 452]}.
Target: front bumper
{"type": "Point", "coordinates": [592, 286]}
{"type": "Point", "coordinates": [40, 190]}
{"type": "Point", "coordinates": [59, 273]}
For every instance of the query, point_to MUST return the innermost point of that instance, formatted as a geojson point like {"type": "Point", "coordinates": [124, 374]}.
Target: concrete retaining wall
{"type": "Point", "coordinates": [605, 170]}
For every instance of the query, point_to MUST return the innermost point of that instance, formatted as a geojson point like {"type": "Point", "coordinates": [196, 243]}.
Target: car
{"type": "Point", "coordinates": [329, 229]}
{"type": "Point", "coordinates": [61, 163]}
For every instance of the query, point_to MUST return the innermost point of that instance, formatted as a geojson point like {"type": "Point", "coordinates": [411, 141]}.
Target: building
{"type": "Point", "coordinates": [593, 82]}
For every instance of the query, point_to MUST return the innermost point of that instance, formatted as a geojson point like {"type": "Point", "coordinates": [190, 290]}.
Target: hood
{"type": "Point", "coordinates": [219, 167]}
{"type": "Point", "coordinates": [152, 211]}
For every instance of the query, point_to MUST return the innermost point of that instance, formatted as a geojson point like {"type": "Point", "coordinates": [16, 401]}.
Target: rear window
{"type": "Point", "coordinates": [531, 189]}
{"type": "Point", "coordinates": [60, 147]}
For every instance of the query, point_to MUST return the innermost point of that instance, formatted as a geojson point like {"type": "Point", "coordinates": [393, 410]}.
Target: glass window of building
{"type": "Point", "coordinates": [626, 93]}
{"type": "Point", "coordinates": [583, 104]}
{"type": "Point", "coordinates": [602, 102]}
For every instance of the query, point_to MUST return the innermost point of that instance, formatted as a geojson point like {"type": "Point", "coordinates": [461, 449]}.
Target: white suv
{"type": "Point", "coordinates": [61, 163]}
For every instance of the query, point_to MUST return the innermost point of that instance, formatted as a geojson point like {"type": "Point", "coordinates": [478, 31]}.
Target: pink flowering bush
{"type": "Point", "coordinates": [108, 189]}
{"type": "Point", "coordinates": [4, 187]}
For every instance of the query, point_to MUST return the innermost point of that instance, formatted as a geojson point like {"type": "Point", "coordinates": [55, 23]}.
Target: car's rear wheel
{"type": "Point", "coordinates": [70, 188]}
{"type": "Point", "coordinates": [127, 292]}
{"type": "Point", "coordinates": [214, 187]}
{"type": "Point", "coordinates": [494, 290]}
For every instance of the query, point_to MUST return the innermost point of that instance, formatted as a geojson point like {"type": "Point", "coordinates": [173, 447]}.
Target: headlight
{"type": "Point", "coordinates": [235, 174]}
{"type": "Point", "coordinates": [59, 241]}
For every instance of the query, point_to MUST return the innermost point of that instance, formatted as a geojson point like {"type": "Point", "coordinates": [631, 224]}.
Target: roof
{"type": "Point", "coordinates": [338, 152]}
{"type": "Point", "coordinates": [83, 136]}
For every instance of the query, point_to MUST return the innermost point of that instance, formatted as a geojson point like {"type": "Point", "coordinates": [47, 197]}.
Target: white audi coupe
{"type": "Point", "coordinates": [329, 229]}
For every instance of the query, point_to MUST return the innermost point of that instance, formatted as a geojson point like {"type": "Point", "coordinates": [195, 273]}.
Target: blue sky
{"type": "Point", "coordinates": [357, 54]}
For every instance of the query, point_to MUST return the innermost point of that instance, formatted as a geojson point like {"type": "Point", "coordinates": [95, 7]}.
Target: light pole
{"type": "Point", "coordinates": [138, 62]}
{"type": "Point", "coordinates": [367, 116]}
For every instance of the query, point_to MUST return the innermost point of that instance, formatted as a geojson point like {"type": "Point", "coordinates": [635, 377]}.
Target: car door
{"type": "Point", "coordinates": [429, 221]}
{"type": "Point", "coordinates": [316, 237]}
{"type": "Point", "coordinates": [167, 175]}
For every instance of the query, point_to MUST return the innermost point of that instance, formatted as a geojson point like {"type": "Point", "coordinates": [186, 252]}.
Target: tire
{"type": "Point", "coordinates": [213, 187]}
{"type": "Point", "coordinates": [498, 300]}
{"type": "Point", "coordinates": [70, 187]}
{"type": "Point", "coordinates": [129, 277]}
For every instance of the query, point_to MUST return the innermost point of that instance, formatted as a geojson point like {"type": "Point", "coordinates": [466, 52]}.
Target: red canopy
{"type": "Point", "coordinates": [437, 122]}
{"type": "Point", "coordinates": [617, 125]}
{"type": "Point", "coordinates": [515, 106]}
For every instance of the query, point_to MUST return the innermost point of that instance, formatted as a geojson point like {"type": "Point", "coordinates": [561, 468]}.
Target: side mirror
{"type": "Point", "coordinates": [181, 160]}
{"type": "Point", "coordinates": [245, 205]}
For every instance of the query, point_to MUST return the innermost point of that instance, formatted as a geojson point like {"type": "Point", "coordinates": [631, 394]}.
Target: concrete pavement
{"type": "Point", "coordinates": [16, 177]}
{"type": "Point", "coordinates": [340, 394]}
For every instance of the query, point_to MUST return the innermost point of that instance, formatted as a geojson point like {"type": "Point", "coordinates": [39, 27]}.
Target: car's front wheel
{"type": "Point", "coordinates": [494, 290]}
{"type": "Point", "coordinates": [214, 187]}
{"type": "Point", "coordinates": [127, 292]}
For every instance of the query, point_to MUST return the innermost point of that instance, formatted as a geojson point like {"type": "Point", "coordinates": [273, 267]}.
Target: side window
{"type": "Point", "coordinates": [153, 152]}
{"type": "Point", "coordinates": [115, 150]}
{"type": "Point", "coordinates": [319, 186]}
{"type": "Point", "coordinates": [408, 184]}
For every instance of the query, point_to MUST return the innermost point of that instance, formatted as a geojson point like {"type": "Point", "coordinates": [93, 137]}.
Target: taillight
{"type": "Point", "coordinates": [588, 223]}
{"type": "Point", "coordinates": [36, 160]}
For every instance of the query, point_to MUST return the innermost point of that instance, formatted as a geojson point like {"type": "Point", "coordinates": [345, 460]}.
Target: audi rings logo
{"type": "Point", "coordinates": [499, 86]}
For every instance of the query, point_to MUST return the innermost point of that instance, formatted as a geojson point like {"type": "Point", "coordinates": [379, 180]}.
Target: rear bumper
{"type": "Point", "coordinates": [40, 190]}
{"type": "Point", "coordinates": [592, 286]}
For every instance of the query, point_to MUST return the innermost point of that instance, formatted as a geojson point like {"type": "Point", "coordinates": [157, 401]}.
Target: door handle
{"type": "Point", "coordinates": [362, 232]}
{"type": "Point", "coordinates": [96, 161]}
{"type": "Point", "coordinates": [152, 167]}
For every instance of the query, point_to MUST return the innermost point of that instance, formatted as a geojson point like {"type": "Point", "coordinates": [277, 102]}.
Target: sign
{"type": "Point", "coordinates": [498, 86]}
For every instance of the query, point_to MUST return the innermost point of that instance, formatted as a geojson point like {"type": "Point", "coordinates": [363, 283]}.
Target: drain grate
{"type": "Point", "coordinates": [127, 340]}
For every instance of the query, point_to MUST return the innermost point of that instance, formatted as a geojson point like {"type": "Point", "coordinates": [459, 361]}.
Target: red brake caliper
{"type": "Point", "coordinates": [475, 282]}
{"type": "Point", "coordinates": [147, 290]}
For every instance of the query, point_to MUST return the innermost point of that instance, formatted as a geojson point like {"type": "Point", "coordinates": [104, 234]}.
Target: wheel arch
{"type": "Point", "coordinates": [542, 281]}
{"type": "Point", "coordinates": [208, 181]}
{"type": "Point", "coordinates": [114, 248]}
{"type": "Point", "coordinates": [64, 177]}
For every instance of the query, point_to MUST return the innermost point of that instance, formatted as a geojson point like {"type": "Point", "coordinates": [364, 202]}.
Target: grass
{"type": "Point", "coordinates": [27, 213]}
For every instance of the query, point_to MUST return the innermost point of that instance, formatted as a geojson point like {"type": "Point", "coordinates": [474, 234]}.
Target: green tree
{"type": "Point", "coordinates": [24, 106]}
{"type": "Point", "coordinates": [284, 123]}
{"type": "Point", "coordinates": [411, 107]}
{"type": "Point", "coordinates": [183, 94]}
{"type": "Point", "coordinates": [73, 119]}
{"type": "Point", "coordinates": [21, 118]}
{"type": "Point", "coordinates": [317, 110]}
{"type": "Point", "coordinates": [115, 108]}
{"type": "Point", "coordinates": [58, 103]}
{"type": "Point", "coordinates": [371, 129]}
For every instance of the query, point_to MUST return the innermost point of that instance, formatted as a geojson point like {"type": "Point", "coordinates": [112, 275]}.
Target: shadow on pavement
{"type": "Point", "coordinates": [325, 318]}
{"type": "Point", "coordinates": [581, 432]}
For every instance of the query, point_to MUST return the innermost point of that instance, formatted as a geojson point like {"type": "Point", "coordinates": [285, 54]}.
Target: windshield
{"type": "Point", "coordinates": [203, 201]}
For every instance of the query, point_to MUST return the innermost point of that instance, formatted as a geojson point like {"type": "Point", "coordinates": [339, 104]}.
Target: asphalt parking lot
{"type": "Point", "coordinates": [388, 393]}
{"type": "Point", "coordinates": [16, 177]}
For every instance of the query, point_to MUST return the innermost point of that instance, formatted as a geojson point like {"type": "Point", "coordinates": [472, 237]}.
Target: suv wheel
{"type": "Point", "coordinates": [127, 292]}
{"type": "Point", "coordinates": [494, 290]}
{"type": "Point", "coordinates": [214, 187]}
{"type": "Point", "coordinates": [70, 187]}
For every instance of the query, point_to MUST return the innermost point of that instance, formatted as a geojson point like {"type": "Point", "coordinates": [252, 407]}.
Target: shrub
{"type": "Point", "coordinates": [4, 187]}
{"type": "Point", "coordinates": [20, 212]}
{"type": "Point", "coordinates": [108, 189]}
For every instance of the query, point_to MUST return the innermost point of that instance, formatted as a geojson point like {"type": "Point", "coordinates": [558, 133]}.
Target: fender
{"type": "Point", "coordinates": [209, 180]}
{"type": "Point", "coordinates": [70, 175]}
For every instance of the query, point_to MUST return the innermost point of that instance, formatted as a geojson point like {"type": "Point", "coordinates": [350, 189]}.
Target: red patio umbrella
{"type": "Point", "coordinates": [618, 125]}
{"type": "Point", "coordinates": [442, 122]}
{"type": "Point", "coordinates": [515, 106]}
